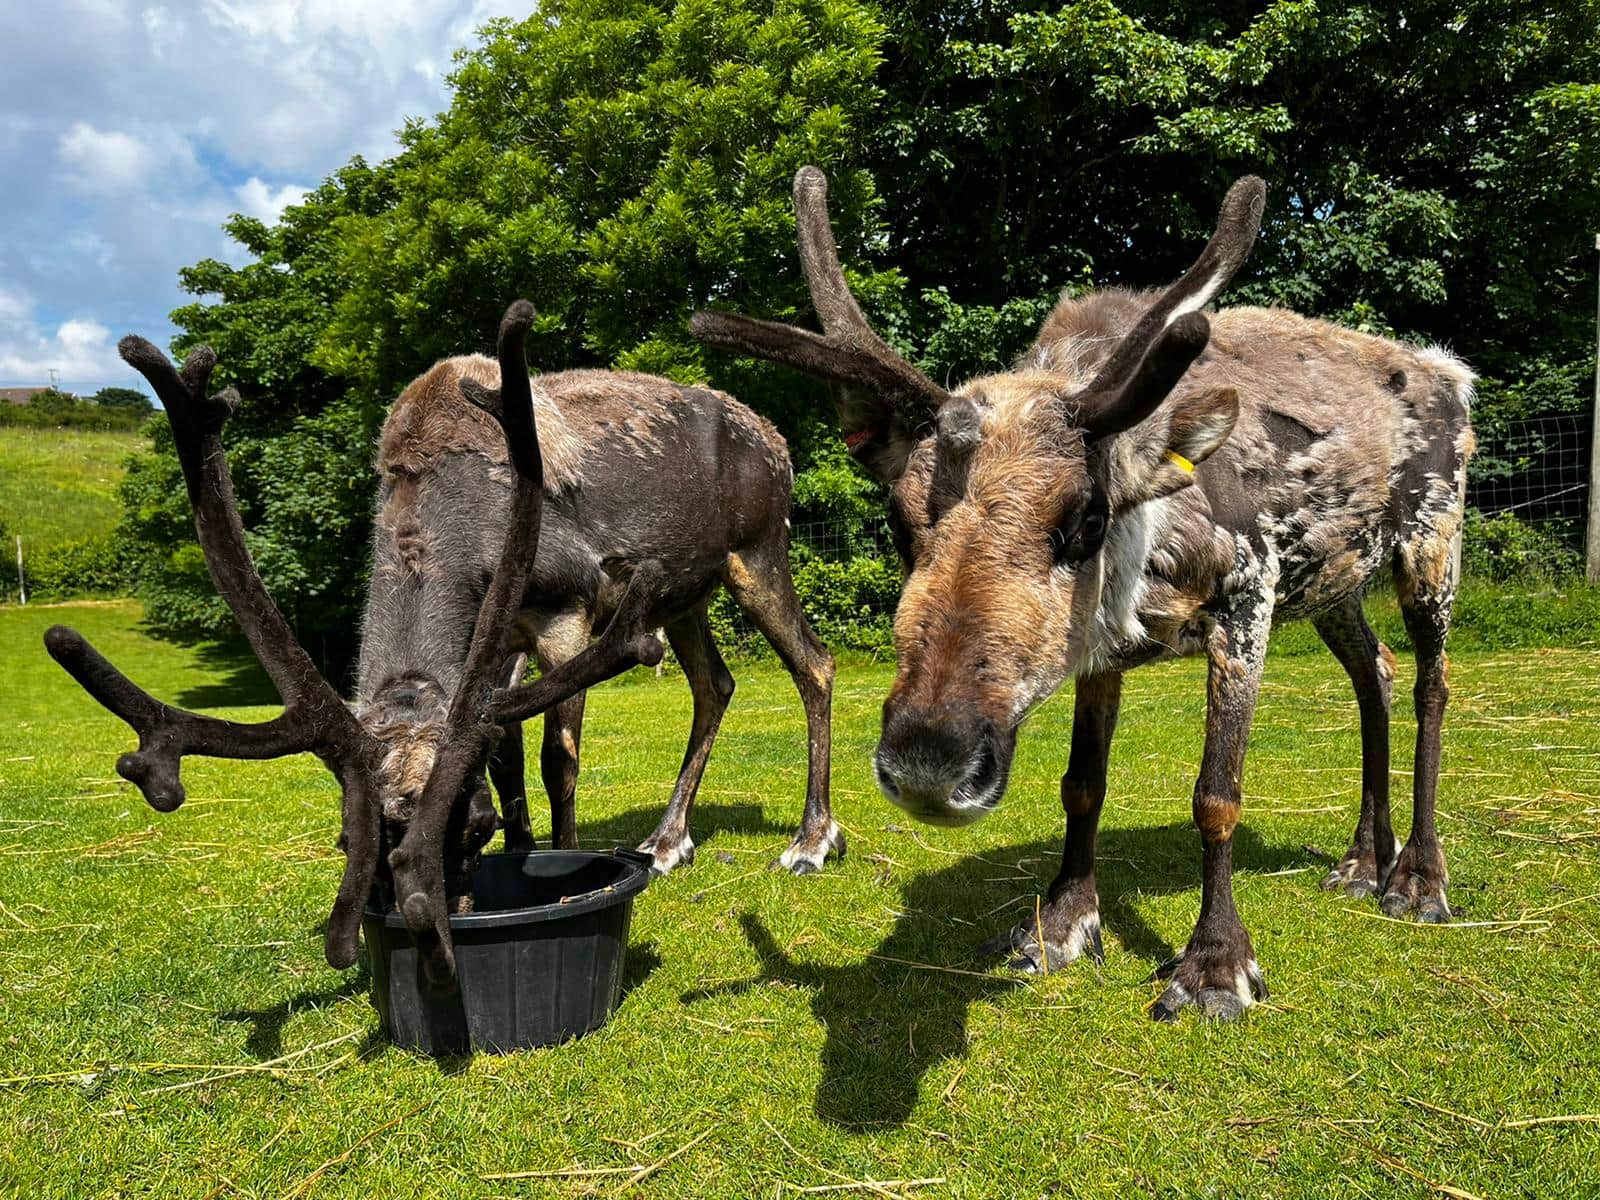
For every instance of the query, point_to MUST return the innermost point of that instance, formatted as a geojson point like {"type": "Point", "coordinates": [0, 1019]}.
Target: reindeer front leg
{"type": "Point", "coordinates": [1068, 923]}
{"type": "Point", "coordinates": [1217, 971]}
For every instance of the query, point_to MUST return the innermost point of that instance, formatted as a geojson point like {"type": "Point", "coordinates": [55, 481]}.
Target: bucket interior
{"type": "Point", "coordinates": [510, 881]}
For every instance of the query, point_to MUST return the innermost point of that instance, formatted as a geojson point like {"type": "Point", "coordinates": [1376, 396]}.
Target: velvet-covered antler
{"type": "Point", "coordinates": [848, 351]}
{"type": "Point", "coordinates": [314, 718]}
{"type": "Point", "coordinates": [479, 705]}
{"type": "Point", "coordinates": [1150, 359]}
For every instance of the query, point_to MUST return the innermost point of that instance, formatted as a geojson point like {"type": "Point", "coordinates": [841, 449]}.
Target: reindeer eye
{"type": "Point", "coordinates": [1080, 535]}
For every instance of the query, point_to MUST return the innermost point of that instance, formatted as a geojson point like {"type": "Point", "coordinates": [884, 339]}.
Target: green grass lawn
{"type": "Point", "coordinates": [59, 485]}
{"type": "Point", "coordinates": [169, 1026]}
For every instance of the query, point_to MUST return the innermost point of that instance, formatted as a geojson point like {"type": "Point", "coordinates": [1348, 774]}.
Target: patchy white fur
{"type": "Point", "coordinates": [1080, 937]}
{"type": "Point", "coordinates": [1452, 370]}
{"type": "Point", "coordinates": [1197, 300]}
{"type": "Point", "coordinates": [1074, 355]}
{"type": "Point", "coordinates": [1131, 537]}
{"type": "Point", "coordinates": [812, 852]}
{"type": "Point", "coordinates": [668, 854]}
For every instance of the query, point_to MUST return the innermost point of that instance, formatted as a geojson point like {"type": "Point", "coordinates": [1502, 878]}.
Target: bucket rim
{"type": "Point", "coordinates": [633, 881]}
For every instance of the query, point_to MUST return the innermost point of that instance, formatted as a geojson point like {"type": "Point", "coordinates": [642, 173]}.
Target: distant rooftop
{"type": "Point", "coordinates": [21, 395]}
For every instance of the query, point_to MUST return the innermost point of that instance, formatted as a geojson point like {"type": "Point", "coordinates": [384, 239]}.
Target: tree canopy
{"type": "Point", "coordinates": [1431, 167]}
{"type": "Point", "coordinates": [123, 397]}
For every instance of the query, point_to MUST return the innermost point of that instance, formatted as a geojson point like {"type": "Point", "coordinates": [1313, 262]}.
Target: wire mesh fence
{"type": "Point", "coordinates": [1536, 469]}
{"type": "Point", "coordinates": [839, 540]}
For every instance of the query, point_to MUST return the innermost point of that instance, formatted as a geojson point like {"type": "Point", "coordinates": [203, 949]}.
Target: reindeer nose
{"type": "Point", "coordinates": [405, 697]}
{"type": "Point", "coordinates": [944, 767]}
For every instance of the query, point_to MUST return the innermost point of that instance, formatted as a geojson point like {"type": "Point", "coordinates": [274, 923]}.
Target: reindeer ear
{"type": "Point", "coordinates": [877, 435]}
{"type": "Point", "coordinates": [1197, 424]}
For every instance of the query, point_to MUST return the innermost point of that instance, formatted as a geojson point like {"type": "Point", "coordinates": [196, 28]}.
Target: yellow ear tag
{"type": "Point", "coordinates": [1179, 461]}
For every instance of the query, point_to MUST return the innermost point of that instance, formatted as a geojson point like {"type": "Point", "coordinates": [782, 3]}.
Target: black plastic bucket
{"type": "Point", "coordinates": [539, 960]}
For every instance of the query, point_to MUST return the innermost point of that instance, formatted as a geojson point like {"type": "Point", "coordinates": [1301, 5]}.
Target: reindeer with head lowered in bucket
{"type": "Point", "coordinates": [422, 865]}
{"type": "Point", "coordinates": [636, 468]}
{"type": "Point", "coordinates": [1147, 483]}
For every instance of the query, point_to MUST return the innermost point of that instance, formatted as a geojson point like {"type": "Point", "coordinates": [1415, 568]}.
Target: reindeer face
{"type": "Point", "coordinates": [1002, 526]}
{"type": "Point", "coordinates": [1002, 514]}
{"type": "Point", "coordinates": [407, 715]}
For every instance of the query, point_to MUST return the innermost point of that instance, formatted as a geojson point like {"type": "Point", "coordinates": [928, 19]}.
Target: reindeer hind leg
{"type": "Point", "coordinates": [1365, 867]}
{"type": "Point", "coordinates": [711, 684]}
{"type": "Point", "coordinates": [1425, 583]}
{"type": "Point", "coordinates": [508, 773]}
{"type": "Point", "coordinates": [764, 588]}
{"type": "Point", "coordinates": [560, 641]}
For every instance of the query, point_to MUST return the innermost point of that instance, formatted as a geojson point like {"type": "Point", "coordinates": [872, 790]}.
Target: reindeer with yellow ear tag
{"type": "Point", "coordinates": [1148, 482]}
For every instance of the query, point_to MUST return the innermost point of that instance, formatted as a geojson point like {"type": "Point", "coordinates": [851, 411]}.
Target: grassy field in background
{"type": "Point", "coordinates": [59, 485]}
{"type": "Point", "coordinates": [170, 1027]}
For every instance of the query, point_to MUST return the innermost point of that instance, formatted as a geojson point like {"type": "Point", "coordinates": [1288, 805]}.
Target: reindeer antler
{"type": "Point", "coordinates": [314, 718]}
{"type": "Point", "coordinates": [1141, 371]}
{"type": "Point", "coordinates": [848, 352]}
{"type": "Point", "coordinates": [479, 706]}
{"type": "Point", "coordinates": [1154, 354]}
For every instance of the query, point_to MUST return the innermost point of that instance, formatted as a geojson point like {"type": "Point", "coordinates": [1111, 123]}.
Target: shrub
{"type": "Point", "coordinates": [850, 603]}
{"type": "Point", "coordinates": [97, 566]}
{"type": "Point", "coordinates": [58, 410]}
{"type": "Point", "coordinates": [1503, 547]}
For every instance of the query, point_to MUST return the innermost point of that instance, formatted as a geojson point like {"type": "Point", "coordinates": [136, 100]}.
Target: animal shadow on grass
{"type": "Point", "coordinates": [892, 1018]}
{"type": "Point", "coordinates": [632, 827]}
{"type": "Point", "coordinates": [234, 679]}
{"type": "Point", "coordinates": [265, 1042]}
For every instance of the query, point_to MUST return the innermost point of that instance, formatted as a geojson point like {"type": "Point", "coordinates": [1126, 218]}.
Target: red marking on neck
{"type": "Point", "coordinates": [854, 441]}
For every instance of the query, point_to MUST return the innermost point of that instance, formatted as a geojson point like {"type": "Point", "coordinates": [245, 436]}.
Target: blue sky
{"type": "Point", "coordinates": [130, 130]}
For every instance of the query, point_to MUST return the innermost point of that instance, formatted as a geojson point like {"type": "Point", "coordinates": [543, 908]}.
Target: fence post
{"type": "Point", "coordinates": [1592, 566]}
{"type": "Point", "coordinates": [22, 583]}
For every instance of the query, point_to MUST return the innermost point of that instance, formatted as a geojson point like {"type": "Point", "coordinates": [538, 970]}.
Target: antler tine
{"type": "Point", "coordinates": [1176, 347]}
{"type": "Point", "coordinates": [197, 421]}
{"type": "Point", "coordinates": [849, 351]}
{"type": "Point", "coordinates": [314, 718]}
{"type": "Point", "coordinates": [626, 643]}
{"type": "Point", "coordinates": [896, 381]}
{"type": "Point", "coordinates": [1237, 224]}
{"type": "Point", "coordinates": [361, 837]}
{"type": "Point", "coordinates": [176, 389]}
{"type": "Point", "coordinates": [166, 734]}
{"type": "Point", "coordinates": [836, 305]}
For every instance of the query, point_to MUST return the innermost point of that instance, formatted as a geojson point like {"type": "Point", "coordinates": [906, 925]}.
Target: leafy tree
{"type": "Point", "coordinates": [52, 400]}
{"type": "Point", "coordinates": [1430, 165]}
{"type": "Point", "coordinates": [615, 162]}
{"type": "Point", "coordinates": [122, 397]}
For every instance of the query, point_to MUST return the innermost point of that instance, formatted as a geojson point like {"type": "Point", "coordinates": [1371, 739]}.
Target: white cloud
{"type": "Point", "coordinates": [141, 124]}
{"type": "Point", "coordinates": [92, 246]}
{"type": "Point", "coordinates": [103, 162]}
{"type": "Point", "coordinates": [80, 351]}
{"type": "Point", "coordinates": [265, 202]}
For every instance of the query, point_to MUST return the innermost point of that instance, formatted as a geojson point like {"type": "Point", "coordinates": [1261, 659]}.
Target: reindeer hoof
{"type": "Point", "coordinates": [667, 853]}
{"type": "Point", "coordinates": [1209, 983]}
{"type": "Point", "coordinates": [1355, 879]}
{"type": "Point", "coordinates": [808, 853]}
{"type": "Point", "coordinates": [1359, 874]}
{"type": "Point", "coordinates": [1418, 886]}
{"type": "Point", "coordinates": [1066, 940]}
{"type": "Point", "coordinates": [1430, 907]}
